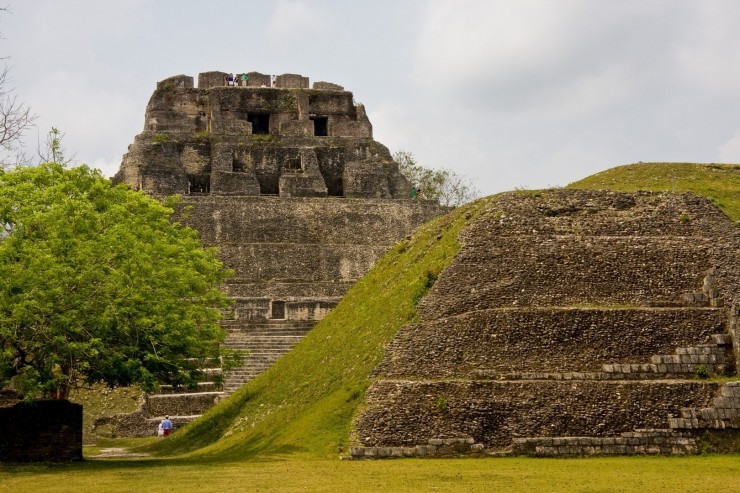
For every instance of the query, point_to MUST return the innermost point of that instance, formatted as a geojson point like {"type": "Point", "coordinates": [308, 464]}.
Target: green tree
{"type": "Point", "coordinates": [448, 187]}
{"type": "Point", "coordinates": [98, 284]}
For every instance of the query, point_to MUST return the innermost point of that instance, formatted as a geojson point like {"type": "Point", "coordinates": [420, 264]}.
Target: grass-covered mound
{"type": "Point", "coordinates": [719, 182]}
{"type": "Point", "coordinates": [305, 401]}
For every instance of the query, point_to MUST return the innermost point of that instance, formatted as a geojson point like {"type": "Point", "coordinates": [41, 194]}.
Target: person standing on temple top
{"type": "Point", "coordinates": [229, 79]}
{"type": "Point", "coordinates": [272, 80]}
{"type": "Point", "coordinates": [244, 79]}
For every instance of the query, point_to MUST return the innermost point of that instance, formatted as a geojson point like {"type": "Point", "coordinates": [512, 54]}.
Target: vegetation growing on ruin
{"type": "Point", "coordinates": [161, 138]}
{"type": "Point", "coordinates": [305, 402]}
{"type": "Point", "coordinates": [719, 182]}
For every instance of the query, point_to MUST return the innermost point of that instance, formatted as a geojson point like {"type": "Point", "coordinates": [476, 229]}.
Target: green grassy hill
{"type": "Point", "coordinates": [305, 402]}
{"type": "Point", "coordinates": [719, 182]}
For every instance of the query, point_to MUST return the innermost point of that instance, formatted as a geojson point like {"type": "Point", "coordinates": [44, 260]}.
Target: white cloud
{"type": "Point", "coordinates": [98, 120]}
{"type": "Point", "coordinates": [709, 55]}
{"type": "Point", "coordinates": [729, 152]}
{"type": "Point", "coordinates": [560, 59]}
{"type": "Point", "coordinates": [294, 21]}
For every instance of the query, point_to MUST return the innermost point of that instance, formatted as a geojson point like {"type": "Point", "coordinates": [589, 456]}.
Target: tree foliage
{"type": "Point", "coordinates": [448, 187]}
{"type": "Point", "coordinates": [98, 284]}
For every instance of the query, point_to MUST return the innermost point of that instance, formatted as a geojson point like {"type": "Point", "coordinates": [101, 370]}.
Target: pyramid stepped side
{"type": "Point", "coordinates": [569, 323]}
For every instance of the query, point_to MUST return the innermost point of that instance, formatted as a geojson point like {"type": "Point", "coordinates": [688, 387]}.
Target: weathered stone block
{"type": "Point", "coordinates": [41, 431]}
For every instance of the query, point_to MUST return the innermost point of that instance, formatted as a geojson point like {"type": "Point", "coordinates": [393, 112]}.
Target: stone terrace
{"type": "Point", "coordinates": [569, 323]}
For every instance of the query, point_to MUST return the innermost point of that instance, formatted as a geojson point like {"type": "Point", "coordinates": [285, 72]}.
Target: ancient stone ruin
{"type": "Point", "coordinates": [45, 430]}
{"type": "Point", "coordinates": [569, 323]}
{"type": "Point", "coordinates": [287, 140]}
{"type": "Point", "coordinates": [289, 184]}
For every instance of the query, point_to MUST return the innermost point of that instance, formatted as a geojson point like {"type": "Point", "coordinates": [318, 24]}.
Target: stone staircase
{"type": "Point", "coordinates": [263, 343]}
{"type": "Point", "coordinates": [724, 412]}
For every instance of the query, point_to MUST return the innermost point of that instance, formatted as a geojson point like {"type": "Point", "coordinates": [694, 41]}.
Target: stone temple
{"type": "Point", "coordinates": [288, 183]}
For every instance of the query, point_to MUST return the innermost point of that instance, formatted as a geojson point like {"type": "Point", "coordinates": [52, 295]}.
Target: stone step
{"type": "Point", "coordinates": [685, 360]}
{"type": "Point", "coordinates": [630, 443]}
{"type": "Point", "coordinates": [281, 344]}
{"type": "Point", "coordinates": [722, 339]}
{"type": "Point", "coordinates": [612, 374]}
{"type": "Point", "coordinates": [201, 387]}
{"type": "Point", "coordinates": [653, 369]}
{"type": "Point", "coordinates": [264, 337]}
{"type": "Point", "coordinates": [264, 343]}
{"type": "Point", "coordinates": [267, 333]}
{"type": "Point", "coordinates": [723, 414]}
{"type": "Point", "coordinates": [246, 325]}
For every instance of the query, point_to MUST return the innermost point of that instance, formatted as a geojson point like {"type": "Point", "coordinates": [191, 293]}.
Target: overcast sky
{"type": "Point", "coordinates": [513, 93]}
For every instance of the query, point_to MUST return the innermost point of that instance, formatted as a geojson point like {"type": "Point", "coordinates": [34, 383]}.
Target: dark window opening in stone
{"type": "Point", "coordinates": [320, 126]}
{"type": "Point", "coordinates": [293, 165]}
{"type": "Point", "coordinates": [237, 166]}
{"type": "Point", "coordinates": [331, 168]}
{"type": "Point", "coordinates": [278, 310]}
{"type": "Point", "coordinates": [269, 184]}
{"type": "Point", "coordinates": [199, 183]}
{"type": "Point", "coordinates": [260, 123]}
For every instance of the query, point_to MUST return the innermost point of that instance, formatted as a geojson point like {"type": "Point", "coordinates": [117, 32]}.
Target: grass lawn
{"type": "Point", "coordinates": [713, 473]}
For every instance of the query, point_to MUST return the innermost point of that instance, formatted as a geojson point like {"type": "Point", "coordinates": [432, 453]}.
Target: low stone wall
{"type": "Point", "coordinates": [188, 404]}
{"type": "Point", "coordinates": [135, 425]}
{"type": "Point", "coordinates": [647, 442]}
{"type": "Point", "coordinates": [41, 431]}
{"type": "Point", "coordinates": [436, 447]}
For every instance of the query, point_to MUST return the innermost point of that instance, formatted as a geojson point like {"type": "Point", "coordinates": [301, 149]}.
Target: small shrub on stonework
{"type": "Point", "coordinates": [702, 372]}
{"type": "Point", "coordinates": [441, 403]}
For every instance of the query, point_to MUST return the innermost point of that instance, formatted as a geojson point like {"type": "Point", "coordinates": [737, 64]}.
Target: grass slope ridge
{"type": "Point", "coordinates": [719, 182]}
{"type": "Point", "coordinates": [305, 402]}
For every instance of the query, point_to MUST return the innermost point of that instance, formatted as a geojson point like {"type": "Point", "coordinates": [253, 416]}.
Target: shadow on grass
{"type": "Point", "coordinates": [91, 464]}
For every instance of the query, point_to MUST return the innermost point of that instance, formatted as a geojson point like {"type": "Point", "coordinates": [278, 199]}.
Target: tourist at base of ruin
{"type": "Point", "coordinates": [166, 425]}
